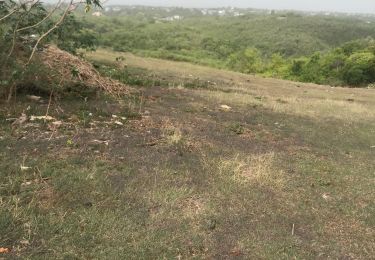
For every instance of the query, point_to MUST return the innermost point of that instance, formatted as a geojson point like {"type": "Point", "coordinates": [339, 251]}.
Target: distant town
{"type": "Point", "coordinates": [170, 14]}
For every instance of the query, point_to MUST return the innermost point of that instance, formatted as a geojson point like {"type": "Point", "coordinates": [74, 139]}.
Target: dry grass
{"type": "Point", "coordinates": [315, 108]}
{"type": "Point", "coordinates": [190, 181]}
{"type": "Point", "coordinates": [193, 207]}
{"type": "Point", "coordinates": [171, 132]}
{"type": "Point", "coordinates": [256, 169]}
{"type": "Point", "coordinates": [173, 135]}
{"type": "Point", "coordinates": [302, 99]}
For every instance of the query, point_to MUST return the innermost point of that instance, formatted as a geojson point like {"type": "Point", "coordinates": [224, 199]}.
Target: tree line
{"type": "Point", "coordinates": [320, 49]}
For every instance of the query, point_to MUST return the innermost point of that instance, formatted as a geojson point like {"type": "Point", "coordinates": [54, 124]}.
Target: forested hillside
{"type": "Point", "coordinates": [216, 37]}
{"type": "Point", "coordinates": [273, 44]}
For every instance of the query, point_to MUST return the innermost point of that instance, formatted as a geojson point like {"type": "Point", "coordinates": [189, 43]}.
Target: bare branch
{"type": "Point", "coordinates": [33, 3]}
{"type": "Point", "coordinates": [6, 16]}
{"type": "Point", "coordinates": [44, 19]}
{"type": "Point", "coordinates": [18, 8]}
{"type": "Point", "coordinates": [56, 25]}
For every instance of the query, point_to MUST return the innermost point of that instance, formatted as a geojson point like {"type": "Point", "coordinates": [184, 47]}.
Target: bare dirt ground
{"type": "Point", "coordinates": [201, 163]}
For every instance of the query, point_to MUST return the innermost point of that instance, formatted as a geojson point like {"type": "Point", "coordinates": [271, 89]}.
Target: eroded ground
{"type": "Point", "coordinates": [205, 164]}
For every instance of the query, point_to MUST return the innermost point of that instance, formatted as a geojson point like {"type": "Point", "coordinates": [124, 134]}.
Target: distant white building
{"type": "Point", "coordinates": [97, 14]}
{"type": "Point", "coordinates": [237, 14]}
{"type": "Point", "coordinates": [222, 12]}
{"type": "Point", "coordinates": [172, 18]}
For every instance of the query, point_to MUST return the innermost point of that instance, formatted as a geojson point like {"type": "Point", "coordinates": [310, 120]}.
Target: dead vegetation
{"type": "Point", "coordinates": [68, 70]}
{"type": "Point", "coordinates": [256, 169]}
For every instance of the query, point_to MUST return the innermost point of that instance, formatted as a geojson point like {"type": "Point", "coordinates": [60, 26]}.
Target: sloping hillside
{"type": "Point", "coordinates": [201, 163]}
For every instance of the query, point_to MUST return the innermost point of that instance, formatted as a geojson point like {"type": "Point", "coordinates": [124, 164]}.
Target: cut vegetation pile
{"type": "Point", "coordinates": [70, 70]}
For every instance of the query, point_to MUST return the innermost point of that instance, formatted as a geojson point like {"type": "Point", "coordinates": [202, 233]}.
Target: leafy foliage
{"type": "Point", "coordinates": [341, 66]}
{"type": "Point", "coordinates": [26, 25]}
{"type": "Point", "coordinates": [290, 46]}
{"type": "Point", "coordinates": [73, 35]}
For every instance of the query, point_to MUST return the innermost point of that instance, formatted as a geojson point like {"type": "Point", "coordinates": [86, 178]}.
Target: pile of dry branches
{"type": "Point", "coordinates": [68, 69]}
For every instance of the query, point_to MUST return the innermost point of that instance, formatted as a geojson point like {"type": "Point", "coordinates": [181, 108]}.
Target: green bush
{"type": "Point", "coordinates": [359, 69]}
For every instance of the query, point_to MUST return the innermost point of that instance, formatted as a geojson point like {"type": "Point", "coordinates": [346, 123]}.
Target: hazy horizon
{"type": "Point", "coordinates": [358, 6]}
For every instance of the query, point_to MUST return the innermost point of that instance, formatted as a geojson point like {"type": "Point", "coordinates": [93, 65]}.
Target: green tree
{"type": "Point", "coordinates": [24, 27]}
{"type": "Point", "coordinates": [278, 66]}
{"type": "Point", "coordinates": [246, 61]}
{"type": "Point", "coordinates": [360, 69]}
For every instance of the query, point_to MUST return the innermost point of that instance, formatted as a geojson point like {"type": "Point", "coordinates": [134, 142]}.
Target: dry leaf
{"type": "Point", "coordinates": [118, 123]}
{"type": "Point", "coordinates": [19, 121]}
{"type": "Point", "coordinates": [48, 118]}
{"type": "Point", "coordinates": [25, 242]}
{"type": "Point", "coordinates": [34, 98]}
{"type": "Point", "coordinates": [101, 142]}
{"type": "Point", "coordinates": [26, 183]}
{"type": "Point", "coordinates": [225, 107]}
{"type": "Point", "coordinates": [57, 123]}
{"type": "Point", "coordinates": [24, 168]}
{"type": "Point", "coordinates": [4, 250]}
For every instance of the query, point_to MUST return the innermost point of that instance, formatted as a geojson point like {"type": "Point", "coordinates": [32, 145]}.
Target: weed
{"type": "Point", "coordinates": [237, 128]}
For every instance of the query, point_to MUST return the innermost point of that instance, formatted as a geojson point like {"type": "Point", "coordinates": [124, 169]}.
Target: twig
{"type": "Point", "coordinates": [16, 28]}
{"type": "Point", "coordinates": [293, 230]}
{"type": "Point", "coordinates": [45, 18]}
{"type": "Point", "coordinates": [10, 93]}
{"type": "Point", "coordinates": [49, 104]}
{"type": "Point", "coordinates": [57, 24]}
{"type": "Point", "coordinates": [6, 16]}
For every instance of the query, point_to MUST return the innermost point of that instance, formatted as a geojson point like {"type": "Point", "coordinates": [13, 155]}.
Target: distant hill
{"type": "Point", "coordinates": [332, 49]}
{"type": "Point", "coordinates": [215, 36]}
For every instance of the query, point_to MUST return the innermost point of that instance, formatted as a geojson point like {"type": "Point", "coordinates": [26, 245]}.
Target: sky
{"type": "Point", "coordinates": [352, 6]}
